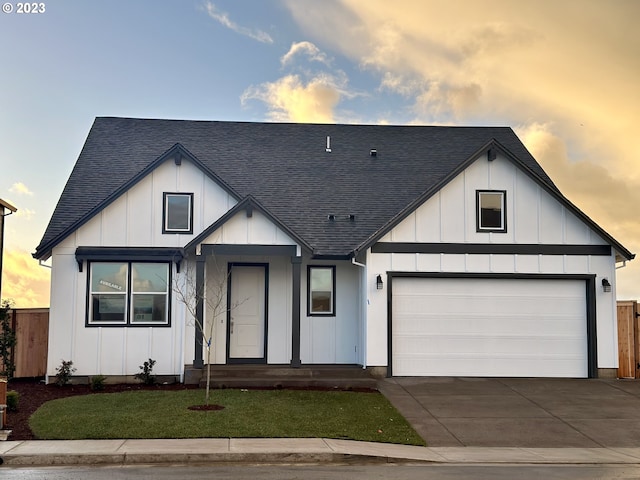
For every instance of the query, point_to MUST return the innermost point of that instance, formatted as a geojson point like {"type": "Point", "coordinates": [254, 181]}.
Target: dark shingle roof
{"type": "Point", "coordinates": [286, 169]}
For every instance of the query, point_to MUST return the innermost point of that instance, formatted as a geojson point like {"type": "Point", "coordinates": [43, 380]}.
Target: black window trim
{"type": "Point", "coordinates": [127, 323]}
{"type": "Point", "coordinates": [479, 228]}
{"type": "Point", "coordinates": [333, 293]}
{"type": "Point", "coordinates": [173, 231]}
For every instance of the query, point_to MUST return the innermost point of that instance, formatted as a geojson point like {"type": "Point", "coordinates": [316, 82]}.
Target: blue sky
{"type": "Point", "coordinates": [562, 74]}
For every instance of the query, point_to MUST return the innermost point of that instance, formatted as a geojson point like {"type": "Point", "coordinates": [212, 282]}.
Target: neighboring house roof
{"type": "Point", "coordinates": [286, 169]}
{"type": "Point", "coordinates": [6, 205]}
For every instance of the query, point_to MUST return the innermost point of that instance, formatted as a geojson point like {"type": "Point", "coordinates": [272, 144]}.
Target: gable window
{"type": "Point", "coordinates": [321, 290]}
{"type": "Point", "coordinates": [491, 214]}
{"type": "Point", "coordinates": [128, 293]}
{"type": "Point", "coordinates": [177, 213]}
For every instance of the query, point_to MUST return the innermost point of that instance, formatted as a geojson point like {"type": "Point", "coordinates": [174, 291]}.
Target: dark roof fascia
{"type": "Point", "coordinates": [249, 202]}
{"type": "Point", "coordinates": [552, 190]}
{"type": "Point", "coordinates": [548, 186]}
{"type": "Point", "coordinates": [178, 149]}
{"type": "Point", "coordinates": [336, 257]}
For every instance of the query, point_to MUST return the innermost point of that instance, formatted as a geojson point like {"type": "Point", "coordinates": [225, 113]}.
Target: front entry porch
{"type": "Point", "coordinates": [252, 273]}
{"type": "Point", "coordinates": [346, 377]}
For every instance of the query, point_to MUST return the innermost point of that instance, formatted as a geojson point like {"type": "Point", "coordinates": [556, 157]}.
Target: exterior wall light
{"type": "Point", "coordinates": [606, 286]}
{"type": "Point", "coordinates": [379, 283]}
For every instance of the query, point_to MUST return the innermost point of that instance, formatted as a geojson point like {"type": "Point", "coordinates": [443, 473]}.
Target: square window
{"type": "Point", "coordinates": [177, 213]}
{"type": "Point", "coordinates": [321, 288]}
{"type": "Point", "coordinates": [491, 211]}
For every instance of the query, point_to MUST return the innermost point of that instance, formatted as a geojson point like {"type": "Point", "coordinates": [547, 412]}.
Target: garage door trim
{"type": "Point", "coordinates": [590, 286]}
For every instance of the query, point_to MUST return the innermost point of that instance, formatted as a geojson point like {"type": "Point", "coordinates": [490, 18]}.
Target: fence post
{"type": "Point", "coordinates": [3, 402]}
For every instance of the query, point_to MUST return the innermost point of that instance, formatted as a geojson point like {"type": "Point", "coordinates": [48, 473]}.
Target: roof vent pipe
{"type": "Point", "coordinates": [373, 152]}
{"type": "Point", "coordinates": [328, 149]}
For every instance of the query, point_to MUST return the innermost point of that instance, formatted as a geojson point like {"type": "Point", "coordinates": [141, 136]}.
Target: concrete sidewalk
{"type": "Point", "coordinates": [288, 451]}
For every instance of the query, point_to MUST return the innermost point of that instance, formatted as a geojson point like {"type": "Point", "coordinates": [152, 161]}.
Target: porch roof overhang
{"type": "Point", "coordinates": [245, 249]}
{"type": "Point", "coordinates": [137, 254]}
{"type": "Point", "coordinates": [248, 204]}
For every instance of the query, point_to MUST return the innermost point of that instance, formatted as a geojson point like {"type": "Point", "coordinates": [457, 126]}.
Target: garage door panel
{"type": "Point", "coordinates": [525, 328]}
{"type": "Point", "coordinates": [461, 366]}
{"type": "Point", "coordinates": [477, 325]}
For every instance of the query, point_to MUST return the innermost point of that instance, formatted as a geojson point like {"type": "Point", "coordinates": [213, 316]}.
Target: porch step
{"type": "Point", "coordinates": [270, 376]}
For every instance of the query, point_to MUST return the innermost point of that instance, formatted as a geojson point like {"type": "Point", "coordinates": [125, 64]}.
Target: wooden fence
{"type": "Point", "coordinates": [32, 334]}
{"type": "Point", "coordinates": [628, 340]}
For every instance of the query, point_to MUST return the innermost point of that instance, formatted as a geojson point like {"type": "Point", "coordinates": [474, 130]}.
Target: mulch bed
{"type": "Point", "coordinates": [33, 393]}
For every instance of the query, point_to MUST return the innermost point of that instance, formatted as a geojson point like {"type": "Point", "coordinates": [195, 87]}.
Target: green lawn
{"type": "Point", "coordinates": [247, 414]}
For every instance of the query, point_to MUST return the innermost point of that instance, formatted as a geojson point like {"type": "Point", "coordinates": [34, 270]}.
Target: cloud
{"type": "Point", "coordinates": [607, 199]}
{"type": "Point", "coordinates": [223, 19]}
{"type": "Point", "coordinates": [20, 189]}
{"type": "Point", "coordinates": [291, 99]}
{"type": "Point", "coordinates": [24, 280]}
{"type": "Point", "coordinates": [564, 71]}
{"type": "Point", "coordinates": [304, 48]}
{"type": "Point", "coordinates": [25, 213]}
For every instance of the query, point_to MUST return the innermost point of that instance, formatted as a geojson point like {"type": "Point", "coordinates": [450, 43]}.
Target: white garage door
{"type": "Point", "coordinates": [489, 327]}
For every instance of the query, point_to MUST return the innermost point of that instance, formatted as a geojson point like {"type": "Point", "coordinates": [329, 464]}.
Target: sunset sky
{"type": "Point", "coordinates": [565, 74]}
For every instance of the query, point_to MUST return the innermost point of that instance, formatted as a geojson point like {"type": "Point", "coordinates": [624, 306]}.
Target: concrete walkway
{"type": "Point", "coordinates": [287, 451]}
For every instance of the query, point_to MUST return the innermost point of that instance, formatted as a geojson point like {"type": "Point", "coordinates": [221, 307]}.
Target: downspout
{"type": "Point", "coordinates": [363, 310]}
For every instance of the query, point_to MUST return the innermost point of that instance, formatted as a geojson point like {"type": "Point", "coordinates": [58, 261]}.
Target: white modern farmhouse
{"type": "Point", "coordinates": [406, 250]}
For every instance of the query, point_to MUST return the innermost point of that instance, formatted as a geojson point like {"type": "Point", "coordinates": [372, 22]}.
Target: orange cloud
{"type": "Point", "coordinates": [290, 99]}
{"type": "Point", "coordinates": [24, 280]}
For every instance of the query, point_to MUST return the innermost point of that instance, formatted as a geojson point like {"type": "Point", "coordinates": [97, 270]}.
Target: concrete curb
{"type": "Point", "coordinates": [289, 451]}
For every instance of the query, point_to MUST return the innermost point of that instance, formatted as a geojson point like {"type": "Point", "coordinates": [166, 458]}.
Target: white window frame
{"type": "Point", "coordinates": [167, 214]}
{"type": "Point", "coordinates": [502, 228]}
{"type": "Point", "coordinates": [332, 292]}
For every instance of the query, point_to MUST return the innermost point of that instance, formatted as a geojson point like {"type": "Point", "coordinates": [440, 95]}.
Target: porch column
{"type": "Point", "coordinates": [197, 361]}
{"type": "Point", "coordinates": [296, 263]}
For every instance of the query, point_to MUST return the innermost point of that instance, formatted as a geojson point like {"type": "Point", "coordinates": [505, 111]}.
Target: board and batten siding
{"type": "Point", "coordinates": [533, 217]}
{"type": "Point", "coordinates": [254, 230]}
{"type": "Point", "coordinates": [132, 220]}
{"type": "Point", "coordinates": [333, 339]}
{"type": "Point", "coordinates": [323, 339]}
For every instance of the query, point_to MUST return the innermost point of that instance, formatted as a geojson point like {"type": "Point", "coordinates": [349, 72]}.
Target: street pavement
{"type": "Point", "coordinates": [463, 420]}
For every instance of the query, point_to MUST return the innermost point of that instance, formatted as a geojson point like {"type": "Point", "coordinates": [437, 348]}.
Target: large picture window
{"type": "Point", "coordinates": [321, 283]}
{"type": "Point", "coordinates": [177, 213]}
{"type": "Point", "coordinates": [491, 213]}
{"type": "Point", "coordinates": [128, 293]}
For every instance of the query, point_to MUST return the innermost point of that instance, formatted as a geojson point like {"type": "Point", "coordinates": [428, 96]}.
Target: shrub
{"type": "Point", "coordinates": [7, 341]}
{"type": "Point", "coordinates": [64, 372]}
{"type": "Point", "coordinates": [12, 400]}
{"type": "Point", "coordinates": [146, 376]}
{"type": "Point", "coordinates": [97, 382]}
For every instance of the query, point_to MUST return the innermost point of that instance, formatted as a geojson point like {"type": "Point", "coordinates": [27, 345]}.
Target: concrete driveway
{"type": "Point", "coordinates": [519, 412]}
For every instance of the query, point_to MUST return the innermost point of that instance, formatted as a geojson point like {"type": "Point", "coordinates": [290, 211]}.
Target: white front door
{"type": "Point", "coordinates": [247, 313]}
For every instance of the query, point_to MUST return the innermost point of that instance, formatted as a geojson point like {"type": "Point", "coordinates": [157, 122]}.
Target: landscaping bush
{"type": "Point", "coordinates": [146, 376]}
{"type": "Point", "coordinates": [97, 382]}
{"type": "Point", "coordinates": [64, 372]}
{"type": "Point", "coordinates": [12, 401]}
